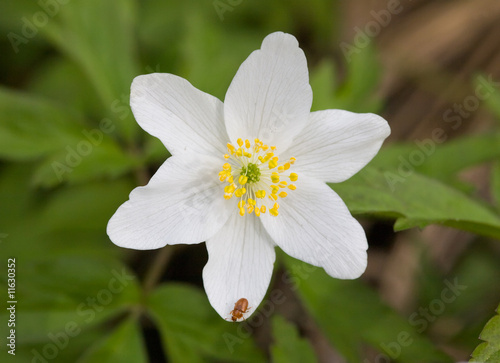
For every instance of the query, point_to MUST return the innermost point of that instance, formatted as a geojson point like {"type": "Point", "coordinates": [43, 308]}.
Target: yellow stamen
{"type": "Point", "coordinates": [242, 179]}
{"type": "Point", "coordinates": [254, 173]}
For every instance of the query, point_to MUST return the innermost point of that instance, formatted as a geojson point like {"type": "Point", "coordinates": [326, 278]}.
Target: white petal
{"type": "Point", "coordinates": [336, 144]}
{"type": "Point", "coordinates": [183, 203]}
{"type": "Point", "coordinates": [270, 96]}
{"type": "Point", "coordinates": [315, 226]}
{"type": "Point", "coordinates": [240, 264]}
{"type": "Point", "coordinates": [181, 116]}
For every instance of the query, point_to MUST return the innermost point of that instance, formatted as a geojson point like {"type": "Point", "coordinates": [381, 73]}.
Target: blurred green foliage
{"type": "Point", "coordinates": [71, 152]}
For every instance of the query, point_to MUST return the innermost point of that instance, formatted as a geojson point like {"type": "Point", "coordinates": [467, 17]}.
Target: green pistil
{"type": "Point", "coordinates": [252, 172]}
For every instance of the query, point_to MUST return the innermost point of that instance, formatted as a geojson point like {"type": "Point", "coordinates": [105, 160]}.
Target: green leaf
{"type": "Point", "coordinates": [65, 220]}
{"type": "Point", "coordinates": [489, 351]}
{"type": "Point", "coordinates": [351, 314]}
{"type": "Point", "coordinates": [440, 161]}
{"type": "Point", "coordinates": [356, 92]}
{"type": "Point", "coordinates": [415, 200]}
{"type": "Point", "coordinates": [191, 330]}
{"type": "Point", "coordinates": [31, 127]}
{"type": "Point", "coordinates": [289, 347]}
{"type": "Point", "coordinates": [34, 128]}
{"type": "Point", "coordinates": [323, 83]}
{"type": "Point", "coordinates": [495, 184]}
{"type": "Point", "coordinates": [490, 92]}
{"type": "Point", "coordinates": [124, 344]}
{"type": "Point", "coordinates": [99, 37]}
{"type": "Point", "coordinates": [211, 56]}
{"type": "Point", "coordinates": [67, 294]}
{"type": "Point", "coordinates": [84, 161]}
{"type": "Point", "coordinates": [62, 81]}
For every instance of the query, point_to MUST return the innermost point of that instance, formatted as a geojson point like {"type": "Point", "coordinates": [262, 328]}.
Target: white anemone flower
{"type": "Point", "coordinates": [250, 174]}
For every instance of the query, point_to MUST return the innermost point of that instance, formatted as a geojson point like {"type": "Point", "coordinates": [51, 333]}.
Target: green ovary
{"type": "Point", "coordinates": [252, 172]}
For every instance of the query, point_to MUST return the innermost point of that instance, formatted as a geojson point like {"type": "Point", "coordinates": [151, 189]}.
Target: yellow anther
{"type": "Point", "coordinates": [257, 168]}
{"type": "Point", "coordinates": [229, 189]}
{"type": "Point", "coordinates": [222, 176]}
{"type": "Point", "coordinates": [268, 156]}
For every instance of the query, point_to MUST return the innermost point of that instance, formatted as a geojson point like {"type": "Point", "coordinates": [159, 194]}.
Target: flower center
{"type": "Point", "coordinates": [253, 172]}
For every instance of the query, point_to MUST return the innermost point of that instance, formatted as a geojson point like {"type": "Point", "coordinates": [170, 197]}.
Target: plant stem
{"type": "Point", "coordinates": [158, 267]}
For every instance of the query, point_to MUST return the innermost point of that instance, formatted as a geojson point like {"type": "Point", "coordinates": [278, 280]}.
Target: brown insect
{"type": "Point", "coordinates": [240, 308]}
